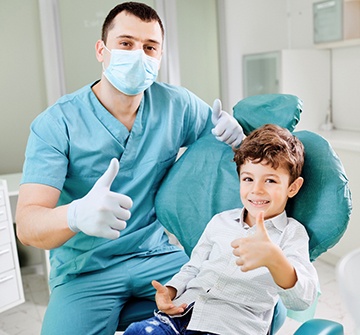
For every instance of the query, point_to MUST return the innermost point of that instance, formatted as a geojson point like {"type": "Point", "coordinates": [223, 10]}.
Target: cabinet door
{"type": "Point", "coordinates": [11, 289]}
{"type": "Point", "coordinates": [261, 73]}
{"type": "Point", "coordinates": [4, 226]}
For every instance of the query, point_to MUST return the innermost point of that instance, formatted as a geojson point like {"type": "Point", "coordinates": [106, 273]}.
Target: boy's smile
{"type": "Point", "coordinates": [263, 188]}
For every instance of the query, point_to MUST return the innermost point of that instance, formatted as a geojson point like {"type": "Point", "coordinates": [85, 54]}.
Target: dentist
{"type": "Point", "coordinates": [94, 162]}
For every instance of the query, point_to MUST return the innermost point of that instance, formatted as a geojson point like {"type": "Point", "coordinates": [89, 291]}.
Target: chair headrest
{"type": "Point", "coordinates": [255, 111]}
{"type": "Point", "coordinates": [204, 182]}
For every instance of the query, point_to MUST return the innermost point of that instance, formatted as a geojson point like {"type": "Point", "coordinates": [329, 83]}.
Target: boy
{"type": "Point", "coordinates": [246, 258]}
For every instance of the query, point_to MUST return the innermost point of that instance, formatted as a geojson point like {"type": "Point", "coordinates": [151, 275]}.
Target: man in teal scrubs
{"type": "Point", "coordinates": [94, 162]}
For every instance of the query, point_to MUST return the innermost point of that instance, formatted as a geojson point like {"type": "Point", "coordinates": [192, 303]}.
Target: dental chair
{"type": "Point", "coordinates": [204, 182]}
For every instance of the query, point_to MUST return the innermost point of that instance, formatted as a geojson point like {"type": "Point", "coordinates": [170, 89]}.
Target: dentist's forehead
{"type": "Point", "coordinates": [128, 25]}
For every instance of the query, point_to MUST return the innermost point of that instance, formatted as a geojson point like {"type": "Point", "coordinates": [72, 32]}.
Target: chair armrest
{"type": "Point", "coordinates": [320, 327]}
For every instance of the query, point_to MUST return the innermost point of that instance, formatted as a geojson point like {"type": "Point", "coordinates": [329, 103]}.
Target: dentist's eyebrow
{"type": "Point", "coordinates": [136, 39]}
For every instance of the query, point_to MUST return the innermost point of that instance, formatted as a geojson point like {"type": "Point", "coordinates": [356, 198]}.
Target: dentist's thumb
{"type": "Point", "coordinates": [109, 175]}
{"type": "Point", "coordinates": [216, 110]}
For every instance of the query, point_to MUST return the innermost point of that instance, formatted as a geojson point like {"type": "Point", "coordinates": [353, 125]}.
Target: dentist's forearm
{"type": "Point", "coordinates": [44, 228]}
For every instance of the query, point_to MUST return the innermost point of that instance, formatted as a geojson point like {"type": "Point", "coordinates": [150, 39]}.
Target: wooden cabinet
{"type": "Point", "coordinates": [11, 289]}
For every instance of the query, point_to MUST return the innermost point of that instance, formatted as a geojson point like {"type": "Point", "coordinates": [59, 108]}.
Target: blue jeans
{"type": "Point", "coordinates": [162, 324]}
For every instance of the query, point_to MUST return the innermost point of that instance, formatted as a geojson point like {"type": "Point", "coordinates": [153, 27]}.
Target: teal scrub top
{"type": "Point", "coordinates": [71, 145]}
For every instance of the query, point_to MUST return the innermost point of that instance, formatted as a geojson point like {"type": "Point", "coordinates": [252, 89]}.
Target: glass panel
{"type": "Point", "coordinates": [261, 74]}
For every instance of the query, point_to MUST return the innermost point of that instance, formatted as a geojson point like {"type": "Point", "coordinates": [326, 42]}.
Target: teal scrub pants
{"type": "Point", "coordinates": [91, 303]}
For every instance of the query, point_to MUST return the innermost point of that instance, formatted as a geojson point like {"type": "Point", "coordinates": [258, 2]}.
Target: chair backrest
{"type": "Point", "coordinates": [348, 275]}
{"type": "Point", "coordinates": [204, 181]}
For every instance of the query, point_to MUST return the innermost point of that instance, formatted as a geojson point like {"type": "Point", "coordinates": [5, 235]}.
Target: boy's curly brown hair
{"type": "Point", "coordinates": [273, 145]}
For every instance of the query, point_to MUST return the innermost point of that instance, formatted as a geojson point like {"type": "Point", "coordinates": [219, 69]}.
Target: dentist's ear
{"type": "Point", "coordinates": [295, 187]}
{"type": "Point", "coordinates": [99, 50]}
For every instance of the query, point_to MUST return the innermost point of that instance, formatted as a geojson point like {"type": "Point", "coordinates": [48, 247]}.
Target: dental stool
{"type": "Point", "coordinates": [204, 182]}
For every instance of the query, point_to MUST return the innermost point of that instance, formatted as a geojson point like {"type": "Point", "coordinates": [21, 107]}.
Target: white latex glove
{"type": "Point", "coordinates": [227, 129]}
{"type": "Point", "coordinates": [101, 212]}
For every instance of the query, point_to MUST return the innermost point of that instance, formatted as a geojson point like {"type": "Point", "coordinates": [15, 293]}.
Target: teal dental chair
{"type": "Point", "coordinates": [204, 182]}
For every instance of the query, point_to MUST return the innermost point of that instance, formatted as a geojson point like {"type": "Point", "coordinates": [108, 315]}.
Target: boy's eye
{"type": "Point", "coordinates": [270, 181]}
{"type": "Point", "coordinates": [248, 179]}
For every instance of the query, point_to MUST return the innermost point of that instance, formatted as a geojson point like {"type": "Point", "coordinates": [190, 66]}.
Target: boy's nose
{"type": "Point", "coordinates": [257, 187]}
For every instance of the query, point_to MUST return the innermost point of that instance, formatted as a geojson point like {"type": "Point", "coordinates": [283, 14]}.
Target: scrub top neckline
{"type": "Point", "coordinates": [114, 126]}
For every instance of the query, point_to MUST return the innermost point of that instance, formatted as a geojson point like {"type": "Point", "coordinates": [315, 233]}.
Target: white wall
{"type": "Point", "coordinates": [249, 27]}
{"type": "Point", "coordinates": [346, 87]}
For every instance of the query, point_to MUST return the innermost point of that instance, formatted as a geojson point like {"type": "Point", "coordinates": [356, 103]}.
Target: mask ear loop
{"type": "Point", "coordinates": [102, 64]}
{"type": "Point", "coordinates": [105, 47]}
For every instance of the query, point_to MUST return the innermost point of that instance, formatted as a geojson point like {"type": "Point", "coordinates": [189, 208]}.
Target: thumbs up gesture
{"type": "Point", "coordinates": [256, 250]}
{"type": "Point", "coordinates": [226, 129]}
{"type": "Point", "coordinates": [101, 212]}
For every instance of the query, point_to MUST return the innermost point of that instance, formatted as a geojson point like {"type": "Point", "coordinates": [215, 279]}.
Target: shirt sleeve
{"type": "Point", "coordinates": [191, 269]}
{"type": "Point", "coordinates": [198, 120]}
{"type": "Point", "coordinates": [46, 152]}
{"type": "Point", "coordinates": [296, 249]}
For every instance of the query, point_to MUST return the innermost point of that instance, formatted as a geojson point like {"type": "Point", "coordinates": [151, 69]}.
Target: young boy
{"type": "Point", "coordinates": [246, 259]}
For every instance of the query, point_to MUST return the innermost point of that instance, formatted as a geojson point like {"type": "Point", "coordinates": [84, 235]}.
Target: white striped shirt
{"type": "Point", "coordinates": [229, 301]}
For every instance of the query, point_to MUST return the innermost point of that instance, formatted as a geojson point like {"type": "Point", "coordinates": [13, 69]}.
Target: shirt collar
{"type": "Point", "coordinates": [279, 221]}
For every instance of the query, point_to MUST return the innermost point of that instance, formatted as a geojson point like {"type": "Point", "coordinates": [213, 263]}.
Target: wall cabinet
{"type": "Point", "coordinates": [11, 289]}
{"type": "Point", "coordinates": [304, 73]}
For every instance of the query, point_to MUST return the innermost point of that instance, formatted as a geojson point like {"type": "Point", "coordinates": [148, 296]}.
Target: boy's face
{"type": "Point", "coordinates": [264, 189]}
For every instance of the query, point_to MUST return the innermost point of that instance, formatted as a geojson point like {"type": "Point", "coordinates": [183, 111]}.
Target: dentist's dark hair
{"type": "Point", "coordinates": [140, 10]}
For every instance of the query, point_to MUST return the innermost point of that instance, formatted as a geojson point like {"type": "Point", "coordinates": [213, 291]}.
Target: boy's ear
{"type": "Point", "coordinates": [295, 187]}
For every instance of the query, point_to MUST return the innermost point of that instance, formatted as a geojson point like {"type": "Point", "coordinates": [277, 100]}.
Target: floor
{"type": "Point", "coordinates": [26, 319]}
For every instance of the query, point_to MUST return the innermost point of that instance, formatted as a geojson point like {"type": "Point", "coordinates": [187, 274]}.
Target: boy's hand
{"type": "Point", "coordinates": [254, 251]}
{"type": "Point", "coordinates": [163, 298]}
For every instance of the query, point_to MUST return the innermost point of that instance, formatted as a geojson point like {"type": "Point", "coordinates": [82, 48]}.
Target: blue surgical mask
{"type": "Point", "coordinates": [131, 72]}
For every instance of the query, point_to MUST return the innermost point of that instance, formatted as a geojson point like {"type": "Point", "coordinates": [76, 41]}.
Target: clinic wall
{"type": "Point", "coordinates": [22, 84]}
{"type": "Point", "coordinates": [198, 47]}
{"type": "Point", "coordinates": [262, 26]}
{"type": "Point", "coordinates": [22, 78]}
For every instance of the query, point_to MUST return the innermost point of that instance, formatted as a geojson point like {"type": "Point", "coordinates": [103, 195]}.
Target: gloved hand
{"type": "Point", "coordinates": [101, 212]}
{"type": "Point", "coordinates": [227, 129]}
